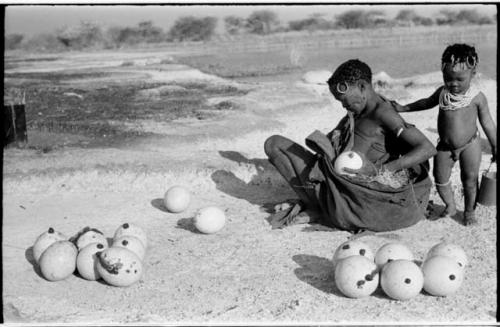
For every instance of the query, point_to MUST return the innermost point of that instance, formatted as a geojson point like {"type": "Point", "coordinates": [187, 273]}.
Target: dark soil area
{"type": "Point", "coordinates": [99, 111]}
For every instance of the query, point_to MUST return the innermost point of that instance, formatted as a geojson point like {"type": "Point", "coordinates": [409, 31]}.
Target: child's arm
{"type": "Point", "coordinates": [422, 104]}
{"type": "Point", "coordinates": [487, 124]}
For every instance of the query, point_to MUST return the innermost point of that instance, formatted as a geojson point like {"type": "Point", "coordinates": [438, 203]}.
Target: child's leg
{"type": "Point", "coordinates": [443, 164]}
{"type": "Point", "coordinates": [294, 163]}
{"type": "Point", "coordinates": [470, 158]}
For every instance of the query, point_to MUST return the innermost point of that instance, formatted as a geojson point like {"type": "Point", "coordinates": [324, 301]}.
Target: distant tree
{"type": "Point", "coordinates": [43, 43]}
{"type": "Point", "coordinates": [424, 21]}
{"type": "Point", "coordinates": [190, 28]}
{"type": "Point", "coordinates": [469, 16]}
{"type": "Point", "coordinates": [86, 34]}
{"type": "Point", "coordinates": [12, 41]}
{"type": "Point", "coordinates": [446, 17]}
{"type": "Point", "coordinates": [144, 32]}
{"type": "Point", "coordinates": [472, 17]}
{"type": "Point", "coordinates": [406, 15]}
{"type": "Point", "coordinates": [358, 18]}
{"type": "Point", "coordinates": [410, 17]}
{"type": "Point", "coordinates": [262, 22]}
{"type": "Point", "coordinates": [234, 24]}
{"type": "Point", "coordinates": [312, 23]}
{"type": "Point", "coordinates": [148, 32]}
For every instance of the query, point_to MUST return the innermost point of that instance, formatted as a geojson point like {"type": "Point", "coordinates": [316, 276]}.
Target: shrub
{"type": "Point", "coordinates": [12, 41]}
{"type": "Point", "coordinates": [313, 23]}
{"type": "Point", "coordinates": [43, 43]}
{"type": "Point", "coordinates": [471, 16]}
{"type": "Point", "coordinates": [358, 18]}
{"type": "Point", "coordinates": [262, 22]}
{"type": "Point", "coordinates": [190, 28]}
{"type": "Point", "coordinates": [86, 34]}
{"type": "Point", "coordinates": [234, 24]}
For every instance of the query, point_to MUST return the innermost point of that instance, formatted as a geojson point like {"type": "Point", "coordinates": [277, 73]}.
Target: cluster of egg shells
{"type": "Point", "coordinates": [359, 271]}
{"type": "Point", "coordinates": [88, 253]}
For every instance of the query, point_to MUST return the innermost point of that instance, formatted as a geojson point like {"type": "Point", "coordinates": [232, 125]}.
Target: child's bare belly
{"type": "Point", "coordinates": [457, 128]}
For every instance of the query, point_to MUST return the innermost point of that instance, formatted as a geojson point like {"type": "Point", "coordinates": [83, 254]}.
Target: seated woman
{"type": "Point", "coordinates": [387, 144]}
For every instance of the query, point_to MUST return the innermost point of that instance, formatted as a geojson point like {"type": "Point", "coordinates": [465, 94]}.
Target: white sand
{"type": "Point", "coordinates": [246, 273]}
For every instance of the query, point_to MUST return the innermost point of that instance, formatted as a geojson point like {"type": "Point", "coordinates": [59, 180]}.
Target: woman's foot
{"type": "Point", "coordinates": [293, 212]}
{"type": "Point", "coordinates": [470, 218]}
{"type": "Point", "coordinates": [285, 205]}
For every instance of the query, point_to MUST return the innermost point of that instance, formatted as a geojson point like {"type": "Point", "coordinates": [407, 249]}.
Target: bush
{"type": "Point", "coordinates": [409, 17]}
{"type": "Point", "coordinates": [143, 32]}
{"type": "Point", "coordinates": [359, 18]}
{"type": "Point", "coordinates": [234, 24]}
{"type": "Point", "coordinates": [262, 22]}
{"type": "Point", "coordinates": [12, 41]}
{"type": "Point", "coordinates": [190, 28]}
{"type": "Point", "coordinates": [43, 43]}
{"type": "Point", "coordinates": [86, 34]}
{"type": "Point", "coordinates": [470, 16]}
{"type": "Point", "coordinates": [313, 23]}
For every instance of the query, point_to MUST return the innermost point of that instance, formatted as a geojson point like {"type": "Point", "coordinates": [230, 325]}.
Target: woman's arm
{"type": "Point", "coordinates": [422, 104]}
{"type": "Point", "coordinates": [421, 147]}
{"type": "Point", "coordinates": [422, 150]}
{"type": "Point", "coordinates": [487, 124]}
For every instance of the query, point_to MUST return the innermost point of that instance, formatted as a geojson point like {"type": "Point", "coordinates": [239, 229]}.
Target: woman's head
{"type": "Point", "coordinates": [458, 64]}
{"type": "Point", "coordinates": [349, 84]}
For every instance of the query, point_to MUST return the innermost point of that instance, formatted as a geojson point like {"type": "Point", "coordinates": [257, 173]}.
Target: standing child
{"type": "Point", "coordinates": [460, 106]}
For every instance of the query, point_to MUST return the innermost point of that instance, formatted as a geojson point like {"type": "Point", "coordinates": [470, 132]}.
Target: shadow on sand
{"type": "Point", "coordinates": [187, 224]}
{"type": "Point", "coordinates": [317, 272]}
{"type": "Point", "coordinates": [434, 212]}
{"type": "Point", "coordinates": [158, 204]}
{"type": "Point", "coordinates": [28, 254]}
{"type": "Point", "coordinates": [259, 190]}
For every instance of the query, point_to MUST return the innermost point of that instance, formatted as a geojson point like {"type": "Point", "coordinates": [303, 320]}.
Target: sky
{"type": "Point", "coordinates": [39, 18]}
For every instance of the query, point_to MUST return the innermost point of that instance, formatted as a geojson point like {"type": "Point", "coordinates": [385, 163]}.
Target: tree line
{"type": "Point", "coordinates": [261, 22]}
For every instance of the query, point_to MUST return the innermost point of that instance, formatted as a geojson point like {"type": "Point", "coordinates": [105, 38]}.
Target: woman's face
{"type": "Point", "coordinates": [457, 81]}
{"type": "Point", "coordinates": [351, 96]}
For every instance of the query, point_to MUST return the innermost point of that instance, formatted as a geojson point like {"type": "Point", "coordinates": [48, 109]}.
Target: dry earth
{"type": "Point", "coordinates": [246, 273]}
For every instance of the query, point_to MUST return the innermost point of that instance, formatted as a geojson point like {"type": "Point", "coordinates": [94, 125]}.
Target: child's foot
{"type": "Point", "coordinates": [448, 212]}
{"type": "Point", "coordinates": [470, 218]}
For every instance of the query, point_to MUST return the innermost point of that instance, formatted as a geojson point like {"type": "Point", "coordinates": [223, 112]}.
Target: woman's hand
{"type": "Point", "coordinates": [368, 169]}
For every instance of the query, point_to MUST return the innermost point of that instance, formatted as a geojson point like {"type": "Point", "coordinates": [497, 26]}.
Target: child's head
{"type": "Point", "coordinates": [349, 83]}
{"type": "Point", "coordinates": [458, 64]}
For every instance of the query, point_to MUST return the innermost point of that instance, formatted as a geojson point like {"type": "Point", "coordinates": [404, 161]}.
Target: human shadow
{"type": "Point", "coordinates": [28, 254]}
{"type": "Point", "coordinates": [317, 272]}
{"type": "Point", "coordinates": [260, 189]}
{"type": "Point", "coordinates": [159, 204]}
{"type": "Point", "coordinates": [434, 212]}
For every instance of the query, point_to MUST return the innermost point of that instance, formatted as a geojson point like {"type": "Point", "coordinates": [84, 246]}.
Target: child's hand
{"type": "Point", "coordinates": [397, 106]}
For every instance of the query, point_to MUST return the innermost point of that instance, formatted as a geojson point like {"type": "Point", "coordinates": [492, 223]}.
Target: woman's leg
{"type": "Point", "coordinates": [470, 158]}
{"type": "Point", "coordinates": [443, 164]}
{"type": "Point", "coordinates": [294, 163]}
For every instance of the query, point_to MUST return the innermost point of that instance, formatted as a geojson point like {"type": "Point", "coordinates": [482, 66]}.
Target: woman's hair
{"type": "Point", "coordinates": [460, 53]}
{"type": "Point", "coordinates": [349, 72]}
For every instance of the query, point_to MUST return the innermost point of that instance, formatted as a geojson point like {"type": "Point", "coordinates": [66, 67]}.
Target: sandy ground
{"type": "Point", "coordinates": [246, 273]}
